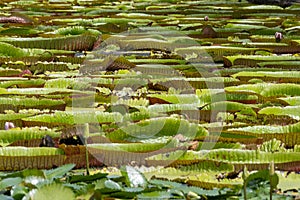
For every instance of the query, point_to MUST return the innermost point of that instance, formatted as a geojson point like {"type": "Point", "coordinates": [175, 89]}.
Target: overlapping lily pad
{"type": "Point", "coordinates": [151, 80]}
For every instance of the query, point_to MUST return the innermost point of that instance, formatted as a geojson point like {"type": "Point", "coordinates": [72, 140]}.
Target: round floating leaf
{"type": "Point", "coordinates": [292, 111]}
{"type": "Point", "coordinates": [11, 51]}
{"type": "Point", "coordinates": [34, 151]}
{"type": "Point", "coordinates": [72, 43]}
{"type": "Point", "coordinates": [268, 89]}
{"type": "Point", "coordinates": [13, 135]}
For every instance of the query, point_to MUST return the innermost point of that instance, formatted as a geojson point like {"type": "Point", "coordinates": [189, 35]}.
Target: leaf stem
{"type": "Point", "coordinates": [272, 172]}
{"type": "Point", "coordinates": [86, 135]}
{"type": "Point", "coordinates": [245, 182]}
